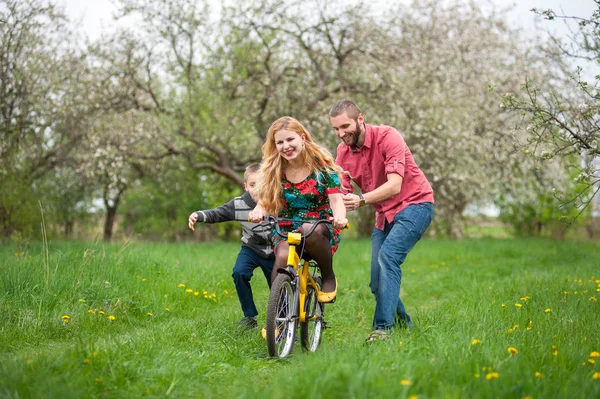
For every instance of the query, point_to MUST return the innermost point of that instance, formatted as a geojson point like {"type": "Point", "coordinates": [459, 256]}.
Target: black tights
{"type": "Point", "coordinates": [319, 249]}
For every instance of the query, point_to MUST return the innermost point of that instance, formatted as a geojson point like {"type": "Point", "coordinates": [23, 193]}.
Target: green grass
{"type": "Point", "coordinates": [457, 292]}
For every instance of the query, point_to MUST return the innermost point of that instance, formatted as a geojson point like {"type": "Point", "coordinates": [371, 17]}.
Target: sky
{"type": "Point", "coordinates": [95, 16]}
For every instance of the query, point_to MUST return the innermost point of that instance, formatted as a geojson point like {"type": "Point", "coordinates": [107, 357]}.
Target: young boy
{"type": "Point", "coordinates": [257, 249]}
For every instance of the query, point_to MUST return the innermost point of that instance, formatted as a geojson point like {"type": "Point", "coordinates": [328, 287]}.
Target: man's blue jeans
{"type": "Point", "coordinates": [248, 260]}
{"type": "Point", "coordinates": [390, 248]}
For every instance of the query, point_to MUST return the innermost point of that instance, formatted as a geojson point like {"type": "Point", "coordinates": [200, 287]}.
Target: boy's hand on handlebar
{"type": "Point", "coordinates": [192, 220]}
{"type": "Point", "coordinates": [339, 223]}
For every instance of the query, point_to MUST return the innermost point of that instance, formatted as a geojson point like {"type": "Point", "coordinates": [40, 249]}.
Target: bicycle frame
{"type": "Point", "coordinates": [304, 278]}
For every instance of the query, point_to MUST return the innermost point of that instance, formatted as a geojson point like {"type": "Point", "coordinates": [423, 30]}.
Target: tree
{"type": "Point", "coordinates": [560, 118]}
{"type": "Point", "coordinates": [422, 69]}
{"type": "Point", "coordinates": [40, 104]}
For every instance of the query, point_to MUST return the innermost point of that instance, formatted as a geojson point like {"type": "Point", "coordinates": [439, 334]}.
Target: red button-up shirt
{"type": "Point", "coordinates": [383, 152]}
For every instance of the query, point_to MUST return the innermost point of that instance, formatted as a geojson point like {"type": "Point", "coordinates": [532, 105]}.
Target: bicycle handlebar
{"type": "Point", "coordinates": [274, 221]}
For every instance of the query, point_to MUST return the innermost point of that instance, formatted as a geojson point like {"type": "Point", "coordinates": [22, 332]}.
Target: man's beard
{"type": "Point", "coordinates": [355, 135]}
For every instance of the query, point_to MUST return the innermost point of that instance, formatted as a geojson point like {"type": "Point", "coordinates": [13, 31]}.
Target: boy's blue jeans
{"type": "Point", "coordinates": [389, 250]}
{"type": "Point", "coordinates": [248, 260]}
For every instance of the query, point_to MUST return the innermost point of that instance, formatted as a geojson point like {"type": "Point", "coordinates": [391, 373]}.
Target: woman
{"type": "Point", "coordinates": [298, 179]}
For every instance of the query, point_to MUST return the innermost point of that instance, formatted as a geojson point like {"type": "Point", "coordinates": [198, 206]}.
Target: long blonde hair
{"type": "Point", "coordinates": [317, 158]}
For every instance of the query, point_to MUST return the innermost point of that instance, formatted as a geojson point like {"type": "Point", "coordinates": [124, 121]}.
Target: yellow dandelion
{"type": "Point", "coordinates": [503, 305]}
{"type": "Point", "coordinates": [492, 375]}
{"type": "Point", "coordinates": [196, 293]}
{"type": "Point", "coordinates": [515, 327]}
{"type": "Point", "coordinates": [510, 330]}
{"type": "Point", "coordinates": [81, 300]}
{"type": "Point", "coordinates": [475, 342]}
{"type": "Point", "coordinates": [476, 375]}
{"type": "Point", "coordinates": [111, 318]}
{"type": "Point", "coordinates": [189, 290]}
{"type": "Point", "coordinates": [595, 354]}
{"type": "Point", "coordinates": [596, 375]}
{"type": "Point", "coordinates": [94, 354]}
{"type": "Point", "coordinates": [101, 312]}
{"type": "Point", "coordinates": [413, 397]}
{"type": "Point", "coordinates": [400, 343]}
{"type": "Point", "coordinates": [86, 361]}
{"type": "Point", "coordinates": [548, 310]}
{"type": "Point", "coordinates": [525, 298]}
{"type": "Point", "coordinates": [591, 361]}
{"type": "Point", "coordinates": [554, 350]}
{"type": "Point", "coordinates": [98, 380]}
{"type": "Point", "coordinates": [518, 305]}
{"type": "Point", "coordinates": [181, 286]}
{"type": "Point", "coordinates": [529, 328]}
{"type": "Point", "coordinates": [226, 292]}
{"type": "Point", "coordinates": [167, 310]}
{"type": "Point", "coordinates": [513, 351]}
{"type": "Point", "coordinates": [205, 292]}
{"type": "Point", "coordinates": [144, 279]}
{"type": "Point", "coordinates": [150, 314]}
{"type": "Point", "coordinates": [65, 317]}
{"type": "Point", "coordinates": [593, 299]}
{"type": "Point", "coordinates": [29, 361]}
{"type": "Point", "coordinates": [538, 375]}
{"type": "Point", "coordinates": [405, 382]}
{"type": "Point", "coordinates": [528, 397]}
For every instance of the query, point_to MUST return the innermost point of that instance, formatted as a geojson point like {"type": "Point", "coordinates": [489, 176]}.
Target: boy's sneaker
{"type": "Point", "coordinates": [247, 323]}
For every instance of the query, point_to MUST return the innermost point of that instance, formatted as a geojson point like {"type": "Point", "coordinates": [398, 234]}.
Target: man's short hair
{"type": "Point", "coordinates": [345, 106]}
{"type": "Point", "coordinates": [251, 169]}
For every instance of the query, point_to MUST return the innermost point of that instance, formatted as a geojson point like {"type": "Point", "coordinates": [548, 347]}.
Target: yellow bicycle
{"type": "Point", "coordinates": [293, 297]}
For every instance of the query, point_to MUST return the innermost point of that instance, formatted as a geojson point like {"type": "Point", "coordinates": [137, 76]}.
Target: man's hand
{"type": "Point", "coordinates": [351, 201]}
{"type": "Point", "coordinates": [192, 220]}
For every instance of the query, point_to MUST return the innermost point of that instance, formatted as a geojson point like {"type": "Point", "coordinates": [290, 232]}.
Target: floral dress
{"type": "Point", "coordinates": [308, 200]}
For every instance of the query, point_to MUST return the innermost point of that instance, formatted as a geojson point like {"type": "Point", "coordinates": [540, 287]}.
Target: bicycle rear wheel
{"type": "Point", "coordinates": [281, 322]}
{"type": "Point", "coordinates": [311, 329]}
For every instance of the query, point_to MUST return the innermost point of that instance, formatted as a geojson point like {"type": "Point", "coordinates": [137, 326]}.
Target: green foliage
{"type": "Point", "coordinates": [159, 209]}
{"type": "Point", "coordinates": [470, 300]}
{"type": "Point", "coordinates": [19, 209]}
{"type": "Point", "coordinates": [547, 212]}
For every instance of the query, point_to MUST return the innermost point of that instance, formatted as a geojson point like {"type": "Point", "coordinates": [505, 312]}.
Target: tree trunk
{"type": "Point", "coordinates": [111, 213]}
{"type": "Point", "coordinates": [69, 222]}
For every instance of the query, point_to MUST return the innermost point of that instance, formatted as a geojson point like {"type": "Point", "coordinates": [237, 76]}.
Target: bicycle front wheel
{"type": "Point", "coordinates": [311, 329]}
{"type": "Point", "coordinates": [281, 322]}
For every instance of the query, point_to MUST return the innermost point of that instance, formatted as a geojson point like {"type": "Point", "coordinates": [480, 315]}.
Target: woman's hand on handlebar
{"type": "Point", "coordinates": [339, 222]}
{"type": "Point", "coordinates": [256, 215]}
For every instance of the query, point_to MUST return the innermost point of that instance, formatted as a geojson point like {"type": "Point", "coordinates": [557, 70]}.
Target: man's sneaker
{"type": "Point", "coordinates": [377, 335]}
{"type": "Point", "coordinates": [247, 323]}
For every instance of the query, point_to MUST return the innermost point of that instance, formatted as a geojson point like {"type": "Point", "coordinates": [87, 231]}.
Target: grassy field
{"type": "Point", "coordinates": [495, 318]}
